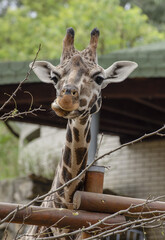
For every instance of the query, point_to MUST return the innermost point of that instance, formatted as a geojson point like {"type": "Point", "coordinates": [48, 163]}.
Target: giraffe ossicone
{"type": "Point", "coordinates": [78, 80]}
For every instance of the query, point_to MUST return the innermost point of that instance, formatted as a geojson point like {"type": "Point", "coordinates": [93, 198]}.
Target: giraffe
{"type": "Point", "coordinates": [78, 80]}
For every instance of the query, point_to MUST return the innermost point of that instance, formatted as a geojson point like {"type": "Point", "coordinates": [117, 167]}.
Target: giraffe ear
{"type": "Point", "coordinates": [118, 72]}
{"type": "Point", "coordinates": [43, 70]}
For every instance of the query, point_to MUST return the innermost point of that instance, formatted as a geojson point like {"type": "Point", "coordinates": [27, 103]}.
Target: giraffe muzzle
{"type": "Point", "coordinates": [68, 100]}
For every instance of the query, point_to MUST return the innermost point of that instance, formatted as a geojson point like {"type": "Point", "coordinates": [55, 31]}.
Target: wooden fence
{"type": "Point", "coordinates": [89, 208]}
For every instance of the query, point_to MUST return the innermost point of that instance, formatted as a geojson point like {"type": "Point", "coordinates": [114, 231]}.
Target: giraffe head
{"type": "Point", "coordinates": [78, 78]}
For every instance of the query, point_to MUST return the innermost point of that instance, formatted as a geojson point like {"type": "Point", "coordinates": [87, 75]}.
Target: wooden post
{"type": "Point", "coordinates": [94, 180]}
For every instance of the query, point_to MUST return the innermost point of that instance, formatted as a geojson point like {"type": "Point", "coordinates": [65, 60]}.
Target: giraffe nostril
{"type": "Point", "coordinates": [63, 91]}
{"type": "Point", "coordinates": [69, 90]}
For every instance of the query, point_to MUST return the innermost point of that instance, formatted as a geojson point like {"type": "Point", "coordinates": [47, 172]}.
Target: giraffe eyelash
{"type": "Point", "coordinates": [55, 78]}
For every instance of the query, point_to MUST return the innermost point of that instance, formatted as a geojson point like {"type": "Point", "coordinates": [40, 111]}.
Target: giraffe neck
{"type": "Point", "coordinates": [74, 159]}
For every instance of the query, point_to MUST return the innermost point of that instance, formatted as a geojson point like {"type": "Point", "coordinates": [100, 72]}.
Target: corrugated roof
{"type": "Point", "coordinates": [150, 58]}
{"type": "Point", "coordinates": [15, 72]}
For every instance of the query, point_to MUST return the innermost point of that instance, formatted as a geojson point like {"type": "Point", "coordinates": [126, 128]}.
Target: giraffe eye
{"type": "Point", "coordinates": [55, 79]}
{"type": "Point", "coordinates": [99, 80]}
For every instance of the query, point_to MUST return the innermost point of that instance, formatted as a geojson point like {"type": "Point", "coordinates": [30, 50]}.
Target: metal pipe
{"type": "Point", "coordinates": [94, 133]}
{"type": "Point", "coordinates": [55, 217]}
{"type": "Point", "coordinates": [110, 204]}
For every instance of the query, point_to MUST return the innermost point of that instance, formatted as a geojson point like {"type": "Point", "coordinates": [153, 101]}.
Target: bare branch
{"type": "Point", "coordinates": [15, 113]}
{"type": "Point", "coordinates": [20, 84]}
{"type": "Point", "coordinates": [161, 134]}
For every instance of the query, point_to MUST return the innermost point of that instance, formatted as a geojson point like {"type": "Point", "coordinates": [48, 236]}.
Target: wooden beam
{"type": "Point", "coordinates": [61, 218]}
{"type": "Point", "coordinates": [125, 122]}
{"type": "Point", "coordinates": [112, 204]}
{"type": "Point", "coordinates": [132, 115]}
{"type": "Point", "coordinates": [41, 93]}
{"type": "Point", "coordinates": [150, 104]}
{"type": "Point", "coordinates": [133, 110]}
{"type": "Point", "coordinates": [119, 130]}
{"type": "Point", "coordinates": [137, 87]}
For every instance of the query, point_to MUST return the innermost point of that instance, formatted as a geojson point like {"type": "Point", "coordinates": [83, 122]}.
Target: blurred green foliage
{"type": "Point", "coordinates": [8, 153]}
{"type": "Point", "coordinates": [33, 22]}
{"type": "Point", "coordinates": [154, 9]}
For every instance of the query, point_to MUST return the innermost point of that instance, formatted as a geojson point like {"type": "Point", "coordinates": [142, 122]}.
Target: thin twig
{"type": "Point", "coordinates": [161, 134]}
{"type": "Point", "coordinates": [99, 145]}
{"type": "Point", "coordinates": [15, 114]}
{"type": "Point", "coordinates": [20, 84]}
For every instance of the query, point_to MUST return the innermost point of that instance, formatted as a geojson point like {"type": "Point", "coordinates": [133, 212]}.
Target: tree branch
{"type": "Point", "coordinates": [20, 84]}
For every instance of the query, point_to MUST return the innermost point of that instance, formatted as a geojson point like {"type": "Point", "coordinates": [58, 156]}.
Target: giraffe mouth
{"type": "Point", "coordinates": [61, 112]}
{"type": "Point", "coordinates": [67, 102]}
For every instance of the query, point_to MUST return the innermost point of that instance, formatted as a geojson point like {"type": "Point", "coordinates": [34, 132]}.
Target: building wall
{"type": "Point", "coordinates": [40, 154]}
{"type": "Point", "coordinates": [136, 171]}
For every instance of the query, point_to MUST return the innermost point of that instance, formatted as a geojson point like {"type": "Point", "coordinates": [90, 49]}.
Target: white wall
{"type": "Point", "coordinates": [137, 170]}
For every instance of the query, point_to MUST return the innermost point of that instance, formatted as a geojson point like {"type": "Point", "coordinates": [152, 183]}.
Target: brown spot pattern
{"type": "Point", "coordinates": [81, 154]}
{"type": "Point", "coordinates": [69, 135]}
{"type": "Point", "coordinates": [79, 187]}
{"type": "Point", "coordinates": [83, 165]}
{"type": "Point", "coordinates": [88, 138]}
{"type": "Point", "coordinates": [94, 109]}
{"type": "Point", "coordinates": [84, 120]}
{"type": "Point", "coordinates": [66, 174]}
{"type": "Point", "coordinates": [67, 156]}
{"type": "Point", "coordinates": [83, 102]}
{"type": "Point", "coordinates": [61, 191]}
{"type": "Point", "coordinates": [85, 91]}
{"type": "Point", "coordinates": [92, 101]}
{"type": "Point", "coordinates": [76, 134]}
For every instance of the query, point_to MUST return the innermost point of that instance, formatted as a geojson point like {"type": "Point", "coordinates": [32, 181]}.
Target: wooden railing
{"type": "Point", "coordinates": [89, 208]}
